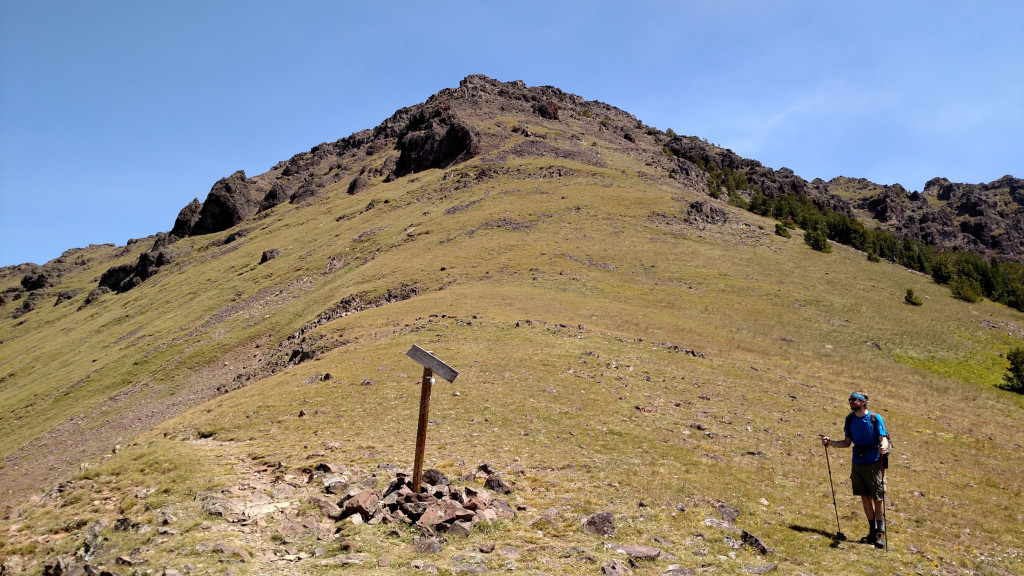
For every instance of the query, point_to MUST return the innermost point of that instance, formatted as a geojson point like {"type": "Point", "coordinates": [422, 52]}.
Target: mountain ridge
{"type": "Point", "coordinates": [891, 205]}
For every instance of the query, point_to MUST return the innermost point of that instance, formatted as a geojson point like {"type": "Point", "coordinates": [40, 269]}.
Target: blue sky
{"type": "Point", "coordinates": [115, 114]}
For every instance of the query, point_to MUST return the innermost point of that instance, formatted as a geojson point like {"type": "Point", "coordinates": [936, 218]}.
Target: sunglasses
{"type": "Point", "coordinates": [854, 399]}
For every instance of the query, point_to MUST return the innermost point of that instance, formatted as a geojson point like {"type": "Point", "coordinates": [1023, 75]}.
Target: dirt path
{"type": "Point", "coordinates": [60, 453]}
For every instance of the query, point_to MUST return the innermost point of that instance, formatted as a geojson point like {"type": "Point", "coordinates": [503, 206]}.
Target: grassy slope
{"type": "Point", "coordinates": [602, 417]}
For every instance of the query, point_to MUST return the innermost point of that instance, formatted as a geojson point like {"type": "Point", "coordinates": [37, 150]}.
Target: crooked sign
{"type": "Point", "coordinates": [431, 365]}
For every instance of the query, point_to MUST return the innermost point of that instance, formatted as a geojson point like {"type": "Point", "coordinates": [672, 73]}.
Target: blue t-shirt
{"type": "Point", "coordinates": [865, 443]}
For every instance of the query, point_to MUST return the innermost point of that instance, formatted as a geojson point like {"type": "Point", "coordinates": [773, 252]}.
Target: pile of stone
{"type": "Point", "coordinates": [437, 508]}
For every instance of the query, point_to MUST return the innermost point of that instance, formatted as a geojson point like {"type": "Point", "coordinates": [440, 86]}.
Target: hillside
{"type": "Point", "coordinates": [627, 343]}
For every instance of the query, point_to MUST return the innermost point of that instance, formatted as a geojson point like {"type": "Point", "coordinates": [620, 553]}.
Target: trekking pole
{"type": "Point", "coordinates": [882, 462]}
{"type": "Point", "coordinates": [839, 531]}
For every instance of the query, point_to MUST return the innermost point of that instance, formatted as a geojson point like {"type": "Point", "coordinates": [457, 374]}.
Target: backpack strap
{"type": "Point", "coordinates": [878, 431]}
{"type": "Point", "coordinates": [874, 423]}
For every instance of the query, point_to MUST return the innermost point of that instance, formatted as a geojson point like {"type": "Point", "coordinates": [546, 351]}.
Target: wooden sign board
{"type": "Point", "coordinates": [428, 360]}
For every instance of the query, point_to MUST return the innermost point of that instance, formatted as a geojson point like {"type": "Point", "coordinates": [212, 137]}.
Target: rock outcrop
{"type": "Point", "coordinates": [124, 277]}
{"type": "Point", "coordinates": [230, 202]}
{"type": "Point", "coordinates": [987, 219]}
{"type": "Point", "coordinates": [187, 218]}
{"type": "Point", "coordinates": [434, 139]}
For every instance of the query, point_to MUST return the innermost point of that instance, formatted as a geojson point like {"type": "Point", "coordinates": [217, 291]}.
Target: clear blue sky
{"type": "Point", "coordinates": [115, 114]}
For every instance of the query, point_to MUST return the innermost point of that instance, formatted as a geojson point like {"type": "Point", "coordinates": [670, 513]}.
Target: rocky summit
{"type": "Point", "coordinates": [650, 332]}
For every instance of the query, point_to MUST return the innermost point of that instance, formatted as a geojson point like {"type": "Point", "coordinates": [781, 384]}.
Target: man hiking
{"type": "Point", "coordinates": [866, 431]}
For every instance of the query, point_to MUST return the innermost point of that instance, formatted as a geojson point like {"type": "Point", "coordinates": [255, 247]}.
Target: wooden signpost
{"type": "Point", "coordinates": [430, 365]}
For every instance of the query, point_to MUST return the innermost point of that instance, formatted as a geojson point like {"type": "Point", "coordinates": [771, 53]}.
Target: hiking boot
{"type": "Point", "coordinates": [880, 540]}
{"type": "Point", "coordinates": [869, 539]}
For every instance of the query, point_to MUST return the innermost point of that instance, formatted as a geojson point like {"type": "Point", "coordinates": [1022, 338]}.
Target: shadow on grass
{"type": "Point", "coordinates": [835, 537]}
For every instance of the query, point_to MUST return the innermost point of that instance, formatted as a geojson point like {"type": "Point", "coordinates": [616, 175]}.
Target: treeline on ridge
{"type": "Point", "coordinates": [969, 276]}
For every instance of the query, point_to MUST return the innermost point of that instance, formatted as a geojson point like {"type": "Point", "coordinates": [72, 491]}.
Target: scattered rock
{"type": "Point", "coordinates": [469, 564]}
{"type": "Point", "coordinates": [363, 503]}
{"type": "Point", "coordinates": [435, 477]}
{"type": "Point", "coordinates": [601, 524]}
{"type": "Point", "coordinates": [346, 560]}
{"type": "Point", "coordinates": [503, 509]}
{"type": "Point", "coordinates": [675, 570]}
{"type": "Point", "coordinates": [329, 508]}
{"type": "Point", "coordinates": [269, 255]}
{"type": "Point", "coordinates": [721, 525]}
{"type": "Point", "coordinates": [547, 518]}
{"type": "Point", "coordinates": [461, 528]}
{"type": "Point", "coordinates": [728, 513]}
{"type": "Point", "coordinates": [637, 552]}
{"type": "Point", "coordinates": [615, 568]}
{"type": "Point", "coordinates": [761, 569]}
{"type": "Point", "coordinates": [428, 546]}
{"type": "Point", "coordinates": [59, 566]}
{"type": "Point", "coordinates": [755, 543]}
{"type": "Point", "coordinates": [233, 550]}
{"type": "Point", "coordinates": [498, 483]}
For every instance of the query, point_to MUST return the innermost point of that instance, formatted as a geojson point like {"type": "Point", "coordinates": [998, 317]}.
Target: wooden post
{"type": "Point", "coordinates": [430, 365]}
{"type": "Point", "coordinates": [421, 431]}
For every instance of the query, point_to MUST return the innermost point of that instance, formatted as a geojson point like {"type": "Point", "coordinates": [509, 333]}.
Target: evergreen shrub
{"type": "Point", "coordinates": [1013, 380]}
{"type": "Point", "coordinates": [817, 240]}
{"type": "Point", "coordinates": [912, 298]}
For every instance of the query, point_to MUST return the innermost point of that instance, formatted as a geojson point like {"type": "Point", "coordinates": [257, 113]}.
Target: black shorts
{"type": "Point", "coordinates": [867, 480]}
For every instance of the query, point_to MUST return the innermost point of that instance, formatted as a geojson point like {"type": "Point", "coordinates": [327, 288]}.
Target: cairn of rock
{"type": "Point", "coordinates": [439, 507]}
